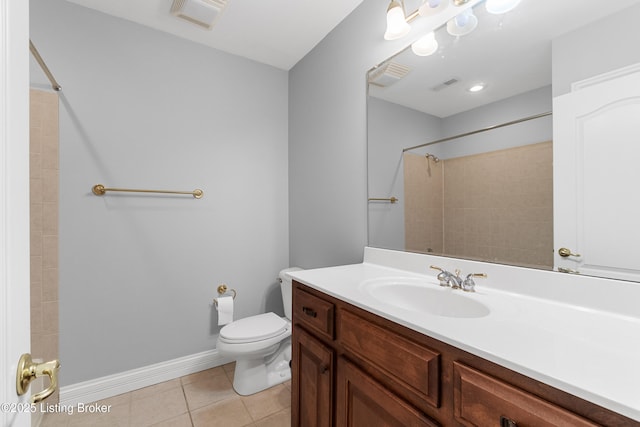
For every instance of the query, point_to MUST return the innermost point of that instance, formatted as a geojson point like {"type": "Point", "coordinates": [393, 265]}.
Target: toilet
{"type": "Point", "coordinates": [260, 345]}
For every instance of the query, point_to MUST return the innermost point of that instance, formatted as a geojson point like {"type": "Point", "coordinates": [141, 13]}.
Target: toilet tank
{"type": "Point", "coordinates": [286, 288]}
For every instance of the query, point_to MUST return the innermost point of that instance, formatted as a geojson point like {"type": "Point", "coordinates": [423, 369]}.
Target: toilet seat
{"type": "Point", "coordinates": [254, 328]}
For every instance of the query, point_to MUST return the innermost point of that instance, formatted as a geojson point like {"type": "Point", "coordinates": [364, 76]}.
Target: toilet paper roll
{"type": "Point", "coordinates": [225, 310]}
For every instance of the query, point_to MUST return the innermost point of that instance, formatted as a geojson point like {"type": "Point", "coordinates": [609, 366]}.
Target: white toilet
{"type": "Point", "coordinates": [261, 345]}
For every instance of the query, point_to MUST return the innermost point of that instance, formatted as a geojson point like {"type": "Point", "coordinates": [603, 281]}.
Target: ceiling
{"type": "Point", "coordinates": [510, 53]}
{"type": "Point", "coordinates": [273, 32]}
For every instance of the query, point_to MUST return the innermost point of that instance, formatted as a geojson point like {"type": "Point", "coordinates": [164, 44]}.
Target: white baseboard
{"type": "Point", "coordinates": [112, 385]}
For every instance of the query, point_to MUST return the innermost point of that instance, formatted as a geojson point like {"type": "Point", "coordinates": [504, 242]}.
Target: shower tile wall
{"type": "Point", "coordinates": [44, 172]}
{"type": "Point", "coordinates": [423, 189]}
{"type": "Point", "coordinates": [494, 206]}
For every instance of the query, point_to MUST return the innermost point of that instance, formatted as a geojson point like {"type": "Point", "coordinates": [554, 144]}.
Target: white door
{"type": "Point", "coordinates": [597, 174]}
{"type": "Point", "coordinates": [14, 205]}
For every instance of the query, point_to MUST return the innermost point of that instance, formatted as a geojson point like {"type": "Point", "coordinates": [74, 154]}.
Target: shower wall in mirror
{"type": "Point", "coordinates": [491, 206]}
{"type": "Point", "coordinates": [486, 196]}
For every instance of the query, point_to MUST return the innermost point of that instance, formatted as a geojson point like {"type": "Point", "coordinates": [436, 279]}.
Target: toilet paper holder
{"type": "Point", "coordinates": [223, 289]}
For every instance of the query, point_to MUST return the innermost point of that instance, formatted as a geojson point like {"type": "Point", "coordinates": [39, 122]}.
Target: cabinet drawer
{"type": "Point", "coordinates": [315, 313]}
{"type": "Point", "coordinates": [482, 400]}
{"type": "Point", "coordinates": [413, 368]}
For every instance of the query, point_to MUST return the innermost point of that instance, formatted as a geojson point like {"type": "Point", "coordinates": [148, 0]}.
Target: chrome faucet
{"type": "Point", "coordinates": [468, 285]}
{"type": "Point", "coordinates": [447, 278]}
{"type": "Point", "coordinates": [454, 281]}
{"type": "Point", "coordinates": [443, 276]}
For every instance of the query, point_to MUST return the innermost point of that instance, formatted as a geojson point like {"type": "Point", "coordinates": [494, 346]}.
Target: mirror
{"type": "Point", "coordinates": [488, 194]}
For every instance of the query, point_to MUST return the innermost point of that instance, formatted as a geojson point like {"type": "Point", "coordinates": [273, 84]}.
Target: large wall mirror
{"type": "Point", "coordinates": [462, 153]}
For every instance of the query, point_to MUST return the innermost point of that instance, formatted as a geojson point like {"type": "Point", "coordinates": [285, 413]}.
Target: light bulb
{"type": "Point", "coordinates": [462, 24]}
{"type": "Point", "coordinates": [498, 7]}
{"type": "Point", "coordinates": [425, 45]}
{"type": "Point", "coordinates": [397, 25]}
{"type": "Point", "coordinates": [432, 7]}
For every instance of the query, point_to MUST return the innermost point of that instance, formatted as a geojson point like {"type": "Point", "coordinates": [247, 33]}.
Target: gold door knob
{"type": "Point", "coordinates": [564, 252]}
{"type": "Point", "coordinates": [28, 370]}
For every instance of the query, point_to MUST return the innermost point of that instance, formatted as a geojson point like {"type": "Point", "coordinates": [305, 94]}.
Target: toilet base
{"type": "Point", "coordinates": [254, 375]}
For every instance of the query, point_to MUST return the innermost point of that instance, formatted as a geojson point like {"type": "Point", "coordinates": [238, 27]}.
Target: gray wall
{"type": "Point", "coordinates": [143, 109]}
{"type": "Point", "coordinates": [392, 127]}
{"type": "Point", "coordinates": [328, 141]}
{"type": "Point", "coordinates": [589, 51]}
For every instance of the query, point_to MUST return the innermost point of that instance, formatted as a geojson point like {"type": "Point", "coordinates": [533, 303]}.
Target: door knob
{"type": "Point", "coordinates": [28, 370]}
{"type": "Point", "coordinates": [564, 252]}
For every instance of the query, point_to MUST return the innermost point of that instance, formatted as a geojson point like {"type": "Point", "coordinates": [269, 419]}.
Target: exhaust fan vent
{"type": "Point", "coordinates": [388, 74]}
{"type": "Point", "coordinates": [445, 84]}
{"type": "Point", "coordinates": [200, 12]}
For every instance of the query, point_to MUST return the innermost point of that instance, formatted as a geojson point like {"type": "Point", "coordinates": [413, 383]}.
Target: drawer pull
{"type": "Point", "coordinates": [506, 422]}
{"type": "Point", "coordinates": [323, 369]}
{"type": "Point", "coordinates": [309, 311]}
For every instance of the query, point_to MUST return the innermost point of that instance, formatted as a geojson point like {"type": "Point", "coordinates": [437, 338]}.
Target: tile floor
{"type": "Point", "coordinates": [202, 399]}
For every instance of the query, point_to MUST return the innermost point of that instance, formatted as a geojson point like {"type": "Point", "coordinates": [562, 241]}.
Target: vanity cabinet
{"type": "Point", "coordinates": [354, 368]}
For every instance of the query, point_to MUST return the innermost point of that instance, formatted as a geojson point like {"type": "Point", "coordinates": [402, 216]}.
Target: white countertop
{"type": "Point", "coordinates": [587, 351]}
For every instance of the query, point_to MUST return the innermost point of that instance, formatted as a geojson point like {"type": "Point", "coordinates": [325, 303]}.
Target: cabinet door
{"type": "Point", "coordinates": [363, 402]}
{"type": "Point", "coordinates": [312, 381]}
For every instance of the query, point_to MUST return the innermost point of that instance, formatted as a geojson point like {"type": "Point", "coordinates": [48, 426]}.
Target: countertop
{"type": "Point", "coordinates": [591, 353]}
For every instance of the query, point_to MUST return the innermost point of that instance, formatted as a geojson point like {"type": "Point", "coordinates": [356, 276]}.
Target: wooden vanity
{"type": "Point", "coordinates": [354, 368]}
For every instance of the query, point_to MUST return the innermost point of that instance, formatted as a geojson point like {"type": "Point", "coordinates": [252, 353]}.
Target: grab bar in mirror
{"type": "Point", "coordinates": [390, 200]}
{"type": "Point", "coordinates": [100, 190]}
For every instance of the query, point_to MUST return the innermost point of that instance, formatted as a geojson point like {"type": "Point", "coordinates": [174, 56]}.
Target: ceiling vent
{"type": "Point", "coordinates": [200, 12]}
{"type": "Point", "coordinates": [445, 84]}
{"type": "Point", "coordinates": [388, 73]}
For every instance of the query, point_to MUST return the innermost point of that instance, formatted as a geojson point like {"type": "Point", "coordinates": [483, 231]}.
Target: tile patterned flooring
{"type": "Point", "coordinates": [202, 399]}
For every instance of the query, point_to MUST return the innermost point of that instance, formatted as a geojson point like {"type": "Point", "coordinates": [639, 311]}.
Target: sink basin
{"type": "Point", "coordinates": [423, 296]}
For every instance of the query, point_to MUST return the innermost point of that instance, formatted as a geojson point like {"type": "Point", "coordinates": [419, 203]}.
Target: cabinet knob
{"type": "Point", "coordinates": [507, 422]}
{"type": "Point", "coordinates": [323, 369]}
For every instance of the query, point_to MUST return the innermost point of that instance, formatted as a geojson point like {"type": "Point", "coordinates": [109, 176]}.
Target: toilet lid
{"type": "Point", "coordinates": [254, 328]}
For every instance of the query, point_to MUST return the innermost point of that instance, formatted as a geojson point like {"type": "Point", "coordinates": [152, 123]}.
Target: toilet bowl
{"type": "Point", "coordinates": [260, 345]}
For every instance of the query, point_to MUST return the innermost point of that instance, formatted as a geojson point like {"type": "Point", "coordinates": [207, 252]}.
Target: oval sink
{"type": "Point", "coordinates": [423, 296]}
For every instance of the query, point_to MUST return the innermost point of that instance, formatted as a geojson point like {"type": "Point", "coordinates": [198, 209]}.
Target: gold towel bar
{"type": "Point", "coordinates": [390, 200]}
{"type": "Point", "coordinates": [100, 189]}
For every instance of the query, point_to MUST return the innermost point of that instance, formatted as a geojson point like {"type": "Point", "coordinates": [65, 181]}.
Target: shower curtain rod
{"type": "Point", "coordinates": [54, 84]}
{"type": "Point", "coordinates": [513, 122]}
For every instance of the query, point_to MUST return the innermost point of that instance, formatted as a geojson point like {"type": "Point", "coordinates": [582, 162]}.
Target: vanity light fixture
{"type": "Point", "coordinates": [462, 24]}
{"type": "Point", "coordinates": [433, 7]}
{"type": "Point", "coordinates": [425, 45]}
{"type": "Point", "coordinates": [397, 25]}
{"type": "Point", "coordinates": [498, 7]}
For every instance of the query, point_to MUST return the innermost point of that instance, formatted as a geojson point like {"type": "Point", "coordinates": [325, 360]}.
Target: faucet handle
{"type": "Point", "coordinates": [443, 277]}
{"type": "Point", "coordinates": [468, 285]}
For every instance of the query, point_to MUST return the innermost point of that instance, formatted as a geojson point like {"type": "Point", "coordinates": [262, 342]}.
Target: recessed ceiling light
{"type": "Point", "coordinates": [477, 88]}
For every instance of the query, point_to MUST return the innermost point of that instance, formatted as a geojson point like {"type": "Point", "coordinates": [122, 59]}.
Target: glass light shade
{"type": "Point", "coordinates": [433, 7]}
{"type": "Point", "coordinates": [397, 25]}
{"type": "Point", "coordinates": [498, 7]}
{"type": "Point", "coordinates": [425, 45]}
{"type": "Point", "coordinates": [462, 24]}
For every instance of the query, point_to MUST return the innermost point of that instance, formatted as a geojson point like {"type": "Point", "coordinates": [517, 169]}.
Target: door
{"type": "Point", "coordinates": [596, 134]}
{"type": "Point", "coordinates": [14, 205]}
